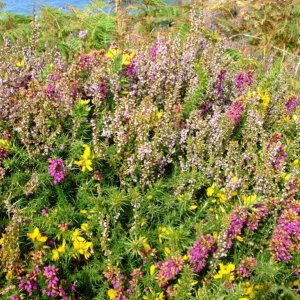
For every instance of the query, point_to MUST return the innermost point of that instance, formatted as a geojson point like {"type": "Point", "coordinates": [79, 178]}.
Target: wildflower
{"type": "Point", "coordinates": [63, 227]}
{"type": "Point", "coordinates": [127, 58]}
{"type": "Point", "coordinates": [4, 144]}
{"type": "Point", "coordinates": [56, 170]}
{"type": "Point", "coordinates": [225, 271]}
{"type": "Point", "coordinates": [84, 226]}
{"type": "Point", "coordinates": [199, 253]}
{"type": "Point", "coordinates": [264, 97]}
{"type": "Point", "coordinates": [249, 200]}
{"type": "Point", "coordinates": [82, 246]}
{"type": "Point", "coordinates": [35, 235]}
{"type": "Point", "coordinates": [152, 270]}
{"type": "Point", "coordinates": [82, 33]}
{"type": "Point", "coordinates": [168, 270]}
{"type": "Point", "coordinates": [243, 80]}
{"type": "Point", "coordinates": [291, 104]}
{"type": "Point", "coordinates": [113, 53]}
{"type": "Point", "coordinates": [246, 267]}
{"type": "Point", "coordinates": [86, 159]}
{"type": "Point", "coordinates": [20, 64]}
{"type": "Point", "coordinates": [258, 213]}
{"type": "Point", "coordinates": [84, 102]}
{"type": "Point", "coordinates": [286, 238]}
{"type": "Point", "coordinates": [111, 294]}
{"type": "Point", "coordinates": [167, 251]}
{"type": "Point", "coordinates": [60, 250]}
{"type": "Point", "coordinates": [210, 191]}
{"type": "Point", "coordinates": [235, 111]}
{"type": "Point", "coordinates": [44, 212]}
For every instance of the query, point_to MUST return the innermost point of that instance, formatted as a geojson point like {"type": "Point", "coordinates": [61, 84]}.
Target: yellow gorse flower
{"type": "Point", "coordinates": [3, 238]}
{"type": "Point", "coordinates": [111, 294]}
{"type": "Point", "coordinates": [249, 200]}
{"type": "Point", "coordinates": [86, 159]}
{"type": "Point", "coordinates": [4, 144]}
{"type": "Point", "coordinates": [60, 250]}
{"type": "Point", "coordinates": [82, 246]}
{"type": "Point", "coordinates": [20, 63]}
{"type": "Point", "coordinates": [225, 272]}
{"type": "Point", "coordinates": [35, 235]}
{"type": "Point", "coordinates": [127, 58]}
{"type": "Point", "coordinates": [210, 191]}
{"type": "Point", "coordinates": [113, 53]}
{"type": "Point", "coordinates": [84, 102]}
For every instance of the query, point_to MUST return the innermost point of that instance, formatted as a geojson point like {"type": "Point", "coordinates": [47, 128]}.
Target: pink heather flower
{"type": "Point", "coordinates": [235, 111]}
{"type": "Point", "coordinates": [243, 80]}
{"type": "Point", "coordinates": [135, 276]}
{"type": "Point", "coordinates": [15, 298]}
{"type": "Point", "coordinates": [131, 70]}
{"type": "Point", "coordinates": [238, 221]}
{"type": "Point", "coordinates": [168, 270]}
{"type": "Point", "coordinates": [258, 213]}
{"type": "Point", "coordinates": [286, 238]}
{"type": "Point", "coordinates": [246, 267]}
{"type": "Point", "coordinates": [291, 104]}
{"type": "Point", "coordinates": [56, 170]}
{"type": "Point", "coordinates": [44, 212]}
{"type": "Point", "coordinates": [154, 51]}
{"type": "Point", "coordinates": [50, 91]}
{"type": "Point", "coordinates": [199, 253]}
{"type": "Point", "coordinates": [277, 153]}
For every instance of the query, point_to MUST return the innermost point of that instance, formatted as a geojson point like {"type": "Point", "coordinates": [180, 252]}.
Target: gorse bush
{"type": "Point", "coordinates": [169, 171]}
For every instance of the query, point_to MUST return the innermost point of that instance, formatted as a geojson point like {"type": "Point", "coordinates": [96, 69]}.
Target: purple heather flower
{"type": "Point", "coordinates": [56, 170]}
{"type": "Point", "coordinates": [44, 212]}
{"type": "Point", "coordinates": [131, 70]}
{"type": "Point", "coordinates": [199, 253]}
{"type": "Point", "coordinates": [168, 270]}
{"type": "Point", "coordinates": [291, 104]}
{"type": "Point", "coordinates": [286, 238]}
{"type": "Point", "coordinates": [256, 216]}
{"type": "Point", "coordinates": [243, 80]}
{"type": "Point", "coordinates": [238, 220]}
{"type": "Point", "coordinates": [154, 51]}
{"type": "Point", "coordinates": [221, 78]}
{"type": "Point", "coordinates": [50, 91]}
{"type": "Point", "coordinates": [235, 111]}
{"type": "Point", "coordinates": [246, 267]}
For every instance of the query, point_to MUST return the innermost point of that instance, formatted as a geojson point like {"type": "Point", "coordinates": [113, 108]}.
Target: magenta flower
{"type": "Point", "coordinates": [199, 253]}
{"type": "Point", "coordinates": [168, 270]}
{"type": "Point", "coordinates": [291, 104]}
{"type": "Point", "coordinates": [56, 170]}
{"type": "Point", "coordinates": [243, 80]}
{"type": "Point", "coordinates": [235, 111]}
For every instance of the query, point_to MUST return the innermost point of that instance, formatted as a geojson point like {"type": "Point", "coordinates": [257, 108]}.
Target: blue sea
{"type": "Point", "coordinates": [25, 6]}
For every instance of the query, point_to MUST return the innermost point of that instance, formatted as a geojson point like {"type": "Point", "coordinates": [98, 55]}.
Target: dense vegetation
{"type": "Point", "coordinates": [150, 155]}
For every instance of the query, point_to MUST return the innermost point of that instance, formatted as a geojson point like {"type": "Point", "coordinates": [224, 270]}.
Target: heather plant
{"type": "Point", "coordinates": [168, 171]}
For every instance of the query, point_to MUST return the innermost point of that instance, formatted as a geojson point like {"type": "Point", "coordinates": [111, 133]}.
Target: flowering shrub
{"type": "Point", "coordinates": [170, 171]}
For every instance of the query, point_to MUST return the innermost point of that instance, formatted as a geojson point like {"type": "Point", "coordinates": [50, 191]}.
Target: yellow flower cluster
{"type": "Point", "coordinates": [60, 250]}
{"type": "Point", "coordinates": [4, 144]}
{"type": "Point", "coordinates": [126, 58]}
{"type": "Point", "coordinates": [86, 159]}
{"type": "Point", "coordinates": [35, 235]}
{"type": "Point", "coordinates": [81, 245]}
{"type": "Point", "coordinates": [225, 272]}
{"type": "Point", "coordinates": [249, 200]}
